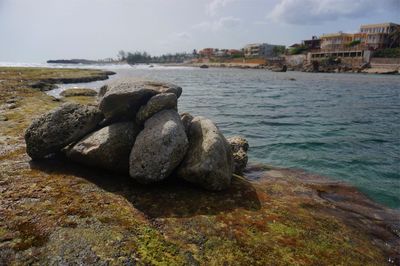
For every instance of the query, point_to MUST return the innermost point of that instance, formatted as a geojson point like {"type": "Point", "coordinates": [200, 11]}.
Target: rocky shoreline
{"type": "Point", "coordinates": [310, 68]}
{"type": "Point", "coordinates": [267, 216]}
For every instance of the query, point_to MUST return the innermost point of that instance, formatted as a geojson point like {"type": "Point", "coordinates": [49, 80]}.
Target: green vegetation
{"type": "Point", "coordinates": [146, 58]}
{"type": "Point", "coordinates": [279, 50]}
{"type": "Point", "coordinates": [298, 50]}
{"type": "Point", "coordinates": [388, 53]}
{"type": "Point", "coordinates": [353, 43]}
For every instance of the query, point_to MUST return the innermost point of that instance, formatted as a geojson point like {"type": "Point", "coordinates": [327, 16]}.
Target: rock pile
{"type": "Point", "coordinates": [136, 129]}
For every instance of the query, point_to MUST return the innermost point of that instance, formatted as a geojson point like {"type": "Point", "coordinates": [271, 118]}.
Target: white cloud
{"type": "Point", "coordinates": [317, 11]}
{"type": "Point", "coordinates": [214, 6]}
{"type": "Point", "coordinates": [223, 23]}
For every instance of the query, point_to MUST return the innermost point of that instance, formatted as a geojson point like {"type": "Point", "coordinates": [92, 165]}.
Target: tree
{"type": "Point", "coordinates": [278, 50]}
{"type": "Point", "coordinates": [122, 55]}
{"type": "Point", "coordinates": [138, 57]}
{"type": "Point", "coordinates": [297, 50]}
{"type": "Point", "coordinates": [353, 43]}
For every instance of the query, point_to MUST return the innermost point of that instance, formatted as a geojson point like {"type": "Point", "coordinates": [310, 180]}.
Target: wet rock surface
{"type": "Point", "coordinates": [159, 148]}
{"type": "Point", "coordinates": [208, 161]}
{"type": "Point", "coordinates": [53, 131]}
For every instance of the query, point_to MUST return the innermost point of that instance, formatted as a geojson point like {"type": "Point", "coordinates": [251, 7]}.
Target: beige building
{"type": "Point", "coordinates": [377, 35]}
{"type": "Point", "coordinates": [257, 50]}
{"type": "Point", "coordinates": [335, 41]}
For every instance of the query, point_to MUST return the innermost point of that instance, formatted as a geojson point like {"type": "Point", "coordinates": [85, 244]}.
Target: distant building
{"type": "Point", "coordinates": [377, 35]}
{"type": "Point", "coordinates": [314, 43]}
{"type": "Point", "coordinates": [370, 37]}
{"type": "Point", "coordinates": [262, 50]}
{"type": "Point", "coordinates": [335, 41]}
{"type": "Point", "coordinates": [295, 45]}
{"type": "Point", "coordinates": [220, 52]}
{"type": "Point", "coordinates": [207, 52]}
{"type": "Point", "coordinates": [234, 52]}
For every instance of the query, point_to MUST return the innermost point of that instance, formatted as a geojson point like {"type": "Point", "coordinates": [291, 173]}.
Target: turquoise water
{"type": "Point", "coordinates": [346, 126]}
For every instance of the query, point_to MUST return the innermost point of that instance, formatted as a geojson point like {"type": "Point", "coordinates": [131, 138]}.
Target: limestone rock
{"type": "Point", "coordinates": [157, 103]}
{"type": "Point", "coordinates": [56, 129]}
{"type": "Point", "coordinates": [208, 161]}
{"type": "Point", "coordinates": [103, 89]}
{"type": "Point", "coordinates": [124, 98]}
{"type": "Point", "coordinates": [159, 148]}
{"type": "Point", "coordinates": [107, 148]}
{"type": "Point", "coordinates": [239, 147]}
{"type": "Point", "coordinates": [78, 92]}
{"type": "Point", "coordinates": [186, 119]}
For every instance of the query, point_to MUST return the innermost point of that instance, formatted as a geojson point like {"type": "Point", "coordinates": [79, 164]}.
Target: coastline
{"type": "Point", "coordinates": [261, 218]}
{"type": "Point", "coordinates": [372, 70]}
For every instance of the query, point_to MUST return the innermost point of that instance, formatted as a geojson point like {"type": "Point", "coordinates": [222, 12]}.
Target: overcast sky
{"type": "Point", "coordinates": [38, 30]}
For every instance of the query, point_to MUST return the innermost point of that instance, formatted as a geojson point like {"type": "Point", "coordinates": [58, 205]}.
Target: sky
{"type": "Point", "coordinates": [38, 30]}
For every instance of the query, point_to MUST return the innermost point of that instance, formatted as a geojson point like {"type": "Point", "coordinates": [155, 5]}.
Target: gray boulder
{"type": "Point", "coordinates": [159, 148]}
{"type": "Point", "coordinates": [157, 103]}
{"type": "Point", "coordinates": [56, 129]}
{"type": "Point", "coordinates": [186, 119]}
{"type": "Point", "coordinates": [239, 147]}
{"type": "Point", "coordinates": [123, 98]}
{"type": "Point", "coordinates": [103, 89]}
{"type": "Point", "coordinates": [208, 161]}
{"type": "Point", "coordinates": [107, 148]}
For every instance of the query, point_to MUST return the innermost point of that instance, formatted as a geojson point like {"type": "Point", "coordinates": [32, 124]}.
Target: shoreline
{"type": "Point", "coordinates": [284, 208]}
{"type": "Point", "coordinates": [381, 71]}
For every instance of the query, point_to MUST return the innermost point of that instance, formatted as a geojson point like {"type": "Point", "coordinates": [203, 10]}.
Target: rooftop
{"type": "Point", "coordinates": [337, 34]}
{"type": "Point", "coordinates": [379, 25]}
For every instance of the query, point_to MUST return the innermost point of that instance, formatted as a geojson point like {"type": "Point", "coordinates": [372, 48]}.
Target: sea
{"type": "Point", "coordinates": [341, 125]}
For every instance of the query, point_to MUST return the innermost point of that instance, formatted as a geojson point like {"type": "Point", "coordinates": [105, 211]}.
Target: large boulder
{"type": "Point", "coordinates": [107, 148]}
{"type": "Point", "coordinates": [123, 98]}
{"type": "Point", "coordinates": [56, 129]}
{"type": "Point", "coordinates": [208, 161]}
{"type": "Point", "coordinates": [157, 103]}
{"type": "Point", "coordinates": [159, 148]}
{"type": "Point", "coordinates": [239, 147]}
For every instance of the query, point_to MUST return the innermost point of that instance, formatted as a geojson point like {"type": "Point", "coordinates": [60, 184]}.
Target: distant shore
{"type": "Point", "coordinates": [372, 70]}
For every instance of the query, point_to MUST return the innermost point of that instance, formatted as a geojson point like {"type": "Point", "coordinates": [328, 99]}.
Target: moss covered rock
{"type": "Point", "coordinates": [78, 92]}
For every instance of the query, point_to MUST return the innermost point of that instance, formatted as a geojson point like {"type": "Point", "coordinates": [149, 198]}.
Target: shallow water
{"type": "Point", "coordinates": [346, 126]}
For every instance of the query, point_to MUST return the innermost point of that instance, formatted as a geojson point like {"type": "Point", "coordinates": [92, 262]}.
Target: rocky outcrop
{"type": "Point", "coordinates": [159, 148]}
{"type": "Point", "coordinates": [156, 104]}
{"type": "Point", "coordinates": [208, 161]}
{"type": "Point", "coordinates": [53, 131]}
{"type": "Point", "coordinates": [107, 148]}
{"type": "Point", "coordinates": [137, 131]}
{"type": "Point", "coordinates": [78, 92]}
{"type": "Point", "coordinates": [50, 83]}
{"type": "Point", "coordinates": [124, 98]}
{"type": "Point", "coordinates": [239, 147]}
